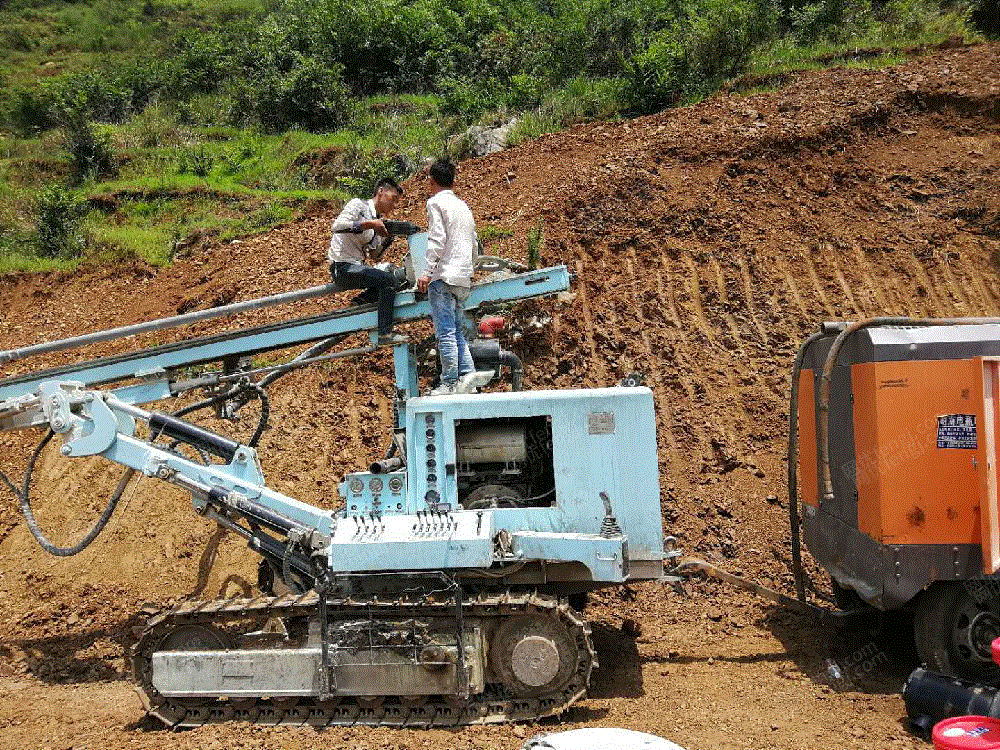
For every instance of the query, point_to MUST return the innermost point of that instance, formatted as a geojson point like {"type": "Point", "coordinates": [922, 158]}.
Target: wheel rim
{"type": "Point", "coordinates": [983, 629]}
{"type": "Point", "coordinates": [533, 655]}
{"type": "Point", "coordinates": [973, 629]}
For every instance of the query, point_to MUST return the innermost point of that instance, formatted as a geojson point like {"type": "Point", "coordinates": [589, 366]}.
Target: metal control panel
{"type": "Point", "coordinates": [426, 540]}
{"type": "Point", "coordinates": [364, 492]}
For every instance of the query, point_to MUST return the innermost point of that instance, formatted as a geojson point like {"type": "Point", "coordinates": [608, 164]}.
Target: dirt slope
{"type": "Point", "coordinates": [706, 243]}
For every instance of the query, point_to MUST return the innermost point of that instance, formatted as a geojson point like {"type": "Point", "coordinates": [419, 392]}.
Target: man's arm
{"type": "Point", "coordinates": [435, 245]}
{"type": "Point", "coordinates": [350, 218]}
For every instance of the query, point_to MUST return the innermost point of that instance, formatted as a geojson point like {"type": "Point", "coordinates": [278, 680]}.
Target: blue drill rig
{"type": "Point", "coordinates": [447, 587]}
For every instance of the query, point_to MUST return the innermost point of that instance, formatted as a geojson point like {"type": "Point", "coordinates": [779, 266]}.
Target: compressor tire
{"type": "Point", "coordinates": [953, 631]}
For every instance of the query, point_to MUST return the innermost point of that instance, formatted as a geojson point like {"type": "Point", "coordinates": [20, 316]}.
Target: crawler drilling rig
{"type": "Point", "coordinates": [446, 588]}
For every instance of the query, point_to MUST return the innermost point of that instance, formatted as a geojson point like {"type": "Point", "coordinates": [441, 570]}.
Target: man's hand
{"type": "Point", "coordinates": [378, 225]}
{"type": "Point", "coordinates": [422, 283]}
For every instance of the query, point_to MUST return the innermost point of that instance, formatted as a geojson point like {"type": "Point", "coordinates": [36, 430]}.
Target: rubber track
{"type": "Point", "coordinates": [347, 711]}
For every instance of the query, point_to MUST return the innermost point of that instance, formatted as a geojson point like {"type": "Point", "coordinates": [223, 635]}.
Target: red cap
{"type": "Point", "coordinates": [967, 733]}
{"type": "Point", "coordinates": [995, 648]}
{"type": "Point", "coordinates": [489, 326]}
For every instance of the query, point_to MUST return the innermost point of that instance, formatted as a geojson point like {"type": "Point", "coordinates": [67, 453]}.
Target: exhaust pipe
{"type": "Point", "coordinates": [386, 465]}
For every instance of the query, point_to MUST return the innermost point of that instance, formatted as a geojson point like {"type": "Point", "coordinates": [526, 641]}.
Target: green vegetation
{"type": "Point", "coordinates": [135, 129]}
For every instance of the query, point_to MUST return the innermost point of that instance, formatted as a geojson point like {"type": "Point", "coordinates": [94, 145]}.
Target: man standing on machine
{"type": "Point", "coordinates": [451, 250]}
{"type": "Point", "coordinates": [359, 236]}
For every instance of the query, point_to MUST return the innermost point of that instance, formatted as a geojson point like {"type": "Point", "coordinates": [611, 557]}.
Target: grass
{"type": "Point", "coordinates": [578, 100]}
{"type": "Point", "coordinates": [177, 181]}
{"type": "Point", "coordinates": [881, 42]}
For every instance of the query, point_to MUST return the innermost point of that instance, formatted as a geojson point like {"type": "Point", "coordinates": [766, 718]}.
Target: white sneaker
{"type": "Point", "coordinates": [469, 382]}
{"type": "Point", "coordinates": [442, 390]}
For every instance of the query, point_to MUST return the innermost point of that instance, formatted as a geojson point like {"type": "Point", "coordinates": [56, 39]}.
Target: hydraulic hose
{"type": "Point", "coordinates": [516, 368]}
{"type": "Point", "coordinates": [29, 515]}
{"type": "Point", "coordinates": [792, 460]}
{"type": "Point", "coordinates": [265, 407]}
{"type": "Point", "coordinates": [265, 413]}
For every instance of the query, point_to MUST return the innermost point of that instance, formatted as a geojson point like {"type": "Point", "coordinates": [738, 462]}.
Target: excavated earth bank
{"type": "Point", "coordinates": [706, 242]}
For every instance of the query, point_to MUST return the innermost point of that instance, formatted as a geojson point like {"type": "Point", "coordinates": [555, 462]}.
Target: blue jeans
{"type": "Point", "coordinates": [447, 310]}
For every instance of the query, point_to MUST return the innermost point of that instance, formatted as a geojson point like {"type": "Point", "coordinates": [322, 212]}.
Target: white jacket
{"type": "Point", "coordinates": [346, 243]}
{"type": "Point", "coordinates": [452, 242]}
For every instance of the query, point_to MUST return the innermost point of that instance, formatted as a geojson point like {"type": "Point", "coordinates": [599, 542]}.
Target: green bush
{"type": "Point", "coordinates": [60, 213]}
{"type": "Point", "coordinates": [88, 145]}
{"type": "Point", "coordinates": [195, 160]}
{"type": "Point", "coordinates": [27, 112]}
{"type": "Point", "coordinates": [281, 87]}
{"type": "Point", "coordinates": [712, 40]}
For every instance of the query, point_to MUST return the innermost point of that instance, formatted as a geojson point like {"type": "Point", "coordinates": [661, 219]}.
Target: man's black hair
{"type": "Point", "coordinates": [389, 182]}
{"type": "Point", "coordinates": [443, 172]}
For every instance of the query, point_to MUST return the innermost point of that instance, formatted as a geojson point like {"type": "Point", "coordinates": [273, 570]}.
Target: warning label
{"type": "Point", "coordinates": [957, 431]}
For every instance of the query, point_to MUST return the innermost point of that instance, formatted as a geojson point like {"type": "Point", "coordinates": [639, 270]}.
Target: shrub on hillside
{"type": "Point", "coordinates": [60, 212]}
{"type": "Point", "coordinates": [305, 94]}
{"type": "Point", "coordinates": [88, 145]}
{"type": "Point", "coordinates": [710, 41]}
{"type": "Point", "coordinates": [26, 112]}
{"type": "Point", "coordinates": [986, 17]}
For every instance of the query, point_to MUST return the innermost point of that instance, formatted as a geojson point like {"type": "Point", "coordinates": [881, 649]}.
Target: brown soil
{"type": "Point", "coordinates": [706, 242]}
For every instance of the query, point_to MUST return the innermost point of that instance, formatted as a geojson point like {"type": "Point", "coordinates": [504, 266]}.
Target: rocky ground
{"type": "Point", "coordinates": [706, 242]}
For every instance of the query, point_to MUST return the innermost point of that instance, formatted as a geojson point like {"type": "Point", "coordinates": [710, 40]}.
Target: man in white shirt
{"type": "Point", "coordinates": [359, 235]}
{"type": "Point", "coordinates": [447, 279]}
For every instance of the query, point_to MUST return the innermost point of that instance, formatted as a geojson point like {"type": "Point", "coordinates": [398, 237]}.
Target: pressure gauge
{"type": "Point", "coordinates": [375, 485]}
{"type": "Point", "coordinates": [395, 484]}
{"type": "Point", "coordinates": [356, 486]}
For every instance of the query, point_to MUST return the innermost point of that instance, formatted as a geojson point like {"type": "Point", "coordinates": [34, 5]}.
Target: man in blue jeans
{"type": "Point", "coordinates": [451, 250]}
{"type": "Point", "coordinates": [359, 236]}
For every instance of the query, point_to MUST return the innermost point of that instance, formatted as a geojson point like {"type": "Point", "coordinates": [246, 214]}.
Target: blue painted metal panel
{"type": "Point", "coordinates": [607, 559]}
{"type": "Point", "coordinates": [604, 441]}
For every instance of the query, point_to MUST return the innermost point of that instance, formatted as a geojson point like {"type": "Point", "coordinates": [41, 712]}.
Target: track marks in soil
{"type": "Point", "coordinates": [810, 267]}
{"type": "Point", "coordinates": [588, 322]}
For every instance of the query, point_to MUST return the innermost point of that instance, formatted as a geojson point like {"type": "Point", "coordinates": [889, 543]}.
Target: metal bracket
{"type": "Point", "coordinates": [104, 432]}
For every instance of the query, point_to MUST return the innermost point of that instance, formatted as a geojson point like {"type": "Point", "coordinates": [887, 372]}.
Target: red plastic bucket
{"type": "Point", "coordinates": [967, 733]}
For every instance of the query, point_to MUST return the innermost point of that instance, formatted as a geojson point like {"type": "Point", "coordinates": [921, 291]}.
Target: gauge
{"type": "Point", "coordinates": [356, 486]}
{"type": "Point", "coordinates": [396, 484]}
{"type": "Point", "coordinates": [375, 485]}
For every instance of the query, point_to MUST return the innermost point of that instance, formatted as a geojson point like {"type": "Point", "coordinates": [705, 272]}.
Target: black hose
{"type": "Point", "coordinates": [231, 393]}
{"type": "Point", "coordinates": [516, 368]}
{"type": "Point", "coordinates": [29, 516]}
{"type": "Point", "coordinates": [265, 413]}
{"type": "Point", "coordinates": [315, 350]}
{"type": "Point", "coordinates": [792, 459]}
{"type": "Point", "coordinates": [265, 407]}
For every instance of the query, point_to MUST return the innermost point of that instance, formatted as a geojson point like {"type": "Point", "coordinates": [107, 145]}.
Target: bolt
{"type": "Point", "coordinates": [66, 450]}
{"type": "Point", "coordinates": [58, 424]}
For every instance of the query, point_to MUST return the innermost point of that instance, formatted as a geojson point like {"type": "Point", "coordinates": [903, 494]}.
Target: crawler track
{"type": "Point", "coordinates": [494, 705]}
